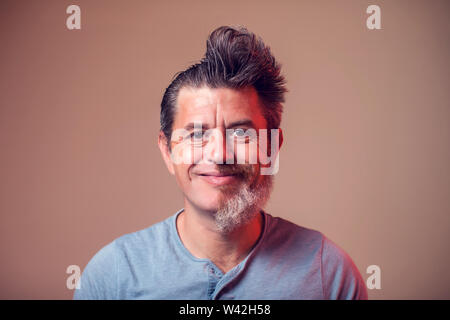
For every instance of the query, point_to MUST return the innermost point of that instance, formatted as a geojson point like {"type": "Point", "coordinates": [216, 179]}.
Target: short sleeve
{"type": "Point", "coordinates": [341, 279]}
{"type": "Point", "coordinates": [99, 279]}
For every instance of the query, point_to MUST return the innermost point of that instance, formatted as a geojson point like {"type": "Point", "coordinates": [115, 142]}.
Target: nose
{"type": "Point", "coordinates": [215, 150]}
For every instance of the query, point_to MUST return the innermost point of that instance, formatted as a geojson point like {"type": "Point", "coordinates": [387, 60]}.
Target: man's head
{"type": "Point", "coordinates": [208, 115]}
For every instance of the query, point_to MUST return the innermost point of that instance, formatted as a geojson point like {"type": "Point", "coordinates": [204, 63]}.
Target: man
{"type": "Point", "coordinates": [220, 138]}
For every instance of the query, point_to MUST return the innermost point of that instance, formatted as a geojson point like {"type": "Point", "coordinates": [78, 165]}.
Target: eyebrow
{"type": "Point", "coordinates": [243, 122]}
{"type": "Point", "coordinates": [191, 125]}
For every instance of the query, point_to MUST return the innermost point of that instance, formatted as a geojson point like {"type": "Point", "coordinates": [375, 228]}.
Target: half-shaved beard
{"type": "Point", "coordinates": [238, 207]}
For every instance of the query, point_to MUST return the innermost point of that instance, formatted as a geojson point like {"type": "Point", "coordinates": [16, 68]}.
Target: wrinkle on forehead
{"type": "Point", "coordinates": [215, 106]}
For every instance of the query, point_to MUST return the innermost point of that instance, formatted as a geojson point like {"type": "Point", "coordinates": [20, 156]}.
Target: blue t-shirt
{"type": "Point", "coordinates": [288, 262]}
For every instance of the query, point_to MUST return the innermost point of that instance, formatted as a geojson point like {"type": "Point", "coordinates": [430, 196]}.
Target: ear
{"type": "Point", "coordinates": [280, 132]}
{"type": "Point", "coordinates": [165, 152]}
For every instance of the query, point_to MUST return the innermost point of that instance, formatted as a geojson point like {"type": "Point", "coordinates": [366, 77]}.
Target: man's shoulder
{"type": "Point", "coordinates": [339, 275]}
{"type": "Point", "coordinates": [135, 245]}
{"type": "Point", "coordinates": [281, 230]}
{"type": "Point", "coordinates": [148, 238]}
{"type": "Point", "coordinates": [100, 278]}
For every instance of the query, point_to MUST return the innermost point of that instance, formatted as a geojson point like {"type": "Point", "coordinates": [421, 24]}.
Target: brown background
{"type": "Point", "coordinates": [367, 130]}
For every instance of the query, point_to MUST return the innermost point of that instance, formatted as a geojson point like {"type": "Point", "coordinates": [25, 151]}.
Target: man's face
{"type": "Point", "coordinates": [214, 173]}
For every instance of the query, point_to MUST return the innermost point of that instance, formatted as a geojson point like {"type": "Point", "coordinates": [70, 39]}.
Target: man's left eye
{"type": "Point", "coordinates": [239, 132]}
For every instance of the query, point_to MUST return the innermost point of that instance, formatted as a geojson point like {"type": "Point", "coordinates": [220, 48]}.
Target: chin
{"type": "Point", "coordinates": [209, 200]}
{"type": "Point", "coordinates": [206, 202]}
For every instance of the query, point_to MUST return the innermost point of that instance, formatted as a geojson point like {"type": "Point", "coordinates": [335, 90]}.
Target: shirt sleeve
{"type": "Point", "coordinates": [341, 279]}
{"type": "Point", "coordinates": [99, 279]}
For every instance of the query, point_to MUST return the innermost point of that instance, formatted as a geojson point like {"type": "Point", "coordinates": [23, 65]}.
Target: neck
{"type": "Point", "coordinates": [200, 237]}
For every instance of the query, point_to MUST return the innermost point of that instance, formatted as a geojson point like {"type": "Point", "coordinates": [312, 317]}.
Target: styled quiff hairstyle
{"type": "Point", "coordinates": [235, 58]}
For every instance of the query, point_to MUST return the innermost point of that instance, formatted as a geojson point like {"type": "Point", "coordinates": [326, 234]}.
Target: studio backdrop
{"type": "Point", "coordinates": [366, 124]}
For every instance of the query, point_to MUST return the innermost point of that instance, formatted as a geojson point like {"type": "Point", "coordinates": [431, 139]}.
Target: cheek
{"type": "Point", "coordinates": [186, 154]}
{"type": "Point", "coordinates": [182, 176]}
{"type": "Point", "coordinates": [246, 153]}
{"type": "Point", "coordinates": [263, 150]}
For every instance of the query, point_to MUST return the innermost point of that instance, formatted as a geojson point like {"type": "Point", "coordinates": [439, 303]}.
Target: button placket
{"type": "Point", "coordinates": [214, 276]}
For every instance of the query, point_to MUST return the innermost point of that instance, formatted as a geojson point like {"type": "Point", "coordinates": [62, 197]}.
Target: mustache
{"type": "Point", "coordinates": [244, 170]}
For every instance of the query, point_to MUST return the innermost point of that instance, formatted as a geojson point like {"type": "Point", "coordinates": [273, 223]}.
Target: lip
{"type": "Point", "coordinates": [217, 179]}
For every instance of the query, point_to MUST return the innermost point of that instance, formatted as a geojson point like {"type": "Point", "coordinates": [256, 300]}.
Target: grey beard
{"type": "Point", "coordinates": [240, 208]}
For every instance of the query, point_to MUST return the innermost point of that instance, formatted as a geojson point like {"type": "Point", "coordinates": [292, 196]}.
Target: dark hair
{"type": "Point", "coordinates": [235, 58]}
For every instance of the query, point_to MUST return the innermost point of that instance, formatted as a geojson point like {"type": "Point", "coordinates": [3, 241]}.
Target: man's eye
{"type": "Point", "coordinates": [239, 133]}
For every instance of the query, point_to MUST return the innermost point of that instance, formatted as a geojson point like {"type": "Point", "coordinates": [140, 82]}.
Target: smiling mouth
{"type": "Point", "coordinates": [218, 180]}
{"type": "Point", "coordinates": [216, 175]}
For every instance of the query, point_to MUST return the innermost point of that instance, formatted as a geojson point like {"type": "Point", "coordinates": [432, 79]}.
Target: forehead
{"type": "Point", "coordinates": [218, 106]}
